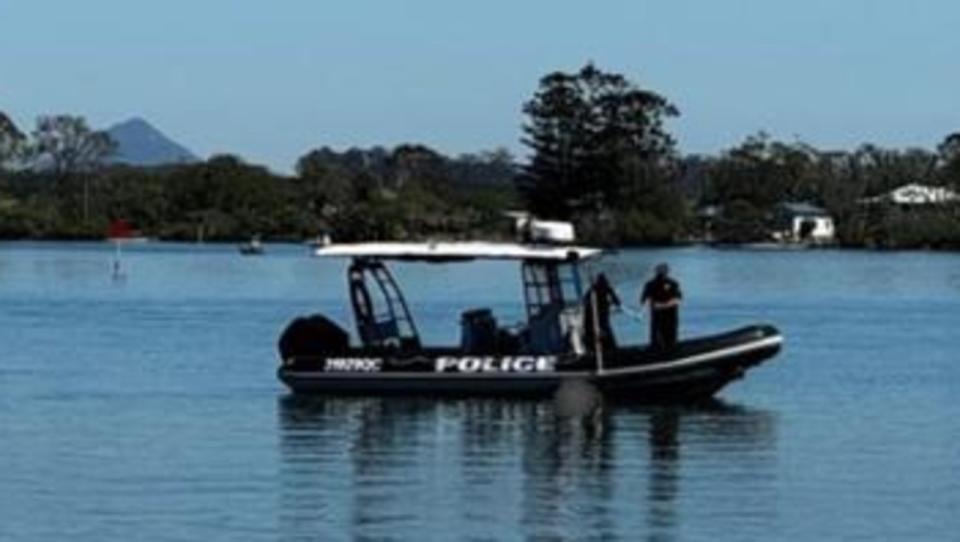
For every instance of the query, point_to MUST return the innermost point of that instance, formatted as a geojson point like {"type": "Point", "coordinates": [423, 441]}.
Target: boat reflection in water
{"type": "Point", "coordinates": [399, 467]}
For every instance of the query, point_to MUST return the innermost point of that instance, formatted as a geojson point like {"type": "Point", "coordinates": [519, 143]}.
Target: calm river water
{"type": "Point", "coordinates": [148, 409]}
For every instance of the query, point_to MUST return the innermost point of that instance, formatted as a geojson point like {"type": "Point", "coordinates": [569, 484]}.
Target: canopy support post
{"type": "Point", "coordinates": [597, 342]}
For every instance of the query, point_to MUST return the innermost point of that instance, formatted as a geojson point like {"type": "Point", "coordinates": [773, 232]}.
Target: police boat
{"type": "Point", "coordinates": [551, 346]}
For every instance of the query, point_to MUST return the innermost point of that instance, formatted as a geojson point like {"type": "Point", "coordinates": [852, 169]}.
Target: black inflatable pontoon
{"type": "Point", "coordinates": [552, 346]}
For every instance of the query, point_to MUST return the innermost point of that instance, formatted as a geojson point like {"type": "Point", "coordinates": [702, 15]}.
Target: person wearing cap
{"type": "Point", "coordinates": [664, 296]}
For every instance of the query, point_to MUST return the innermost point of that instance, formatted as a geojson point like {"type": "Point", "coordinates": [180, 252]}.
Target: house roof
{"type": "Point", "coordinates": [803, 209]}
{"type": "Point", "coordinates": [915, 194]}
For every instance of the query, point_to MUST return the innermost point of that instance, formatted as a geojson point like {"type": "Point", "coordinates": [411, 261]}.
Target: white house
{"type": "Point", "coordinates": [916, 194]}
{"type": "Point", "coordinates": [532, 230]}
{"type": "Point", "coordinates": [803, 223]}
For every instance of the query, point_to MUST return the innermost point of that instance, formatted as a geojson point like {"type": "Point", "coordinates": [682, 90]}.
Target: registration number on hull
{"type": "Point", "coordinates": [353, 365]}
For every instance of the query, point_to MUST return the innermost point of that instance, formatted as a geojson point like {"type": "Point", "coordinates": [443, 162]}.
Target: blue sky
{"type": "Point", "coordinates": [271, 80]}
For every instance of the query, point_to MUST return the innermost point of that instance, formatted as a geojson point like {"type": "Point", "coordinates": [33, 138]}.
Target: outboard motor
{"type": "Point", "coordinates": [313, 336]}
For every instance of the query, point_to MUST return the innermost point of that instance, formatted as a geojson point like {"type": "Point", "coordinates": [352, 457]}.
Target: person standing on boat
{"type": "Point", "coordinates": [600, 297]}
{"type": "Point", "coordinates": [664, 296]}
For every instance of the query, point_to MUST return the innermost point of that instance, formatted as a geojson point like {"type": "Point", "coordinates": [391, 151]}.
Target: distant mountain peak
{"type": "Point", "coordinates": [139, 143]}
{"type": "Point", "coordinates": [134, 122]}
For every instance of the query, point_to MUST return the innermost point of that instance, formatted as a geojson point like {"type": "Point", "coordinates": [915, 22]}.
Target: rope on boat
{"type": "Point", "coordinates": [636, 314]}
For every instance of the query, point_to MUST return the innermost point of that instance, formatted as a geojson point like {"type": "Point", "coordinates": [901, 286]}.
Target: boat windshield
{"type": "Point", "coordinates": [550, 286]}
{"type": "Point", "coordinates": [382, 316]}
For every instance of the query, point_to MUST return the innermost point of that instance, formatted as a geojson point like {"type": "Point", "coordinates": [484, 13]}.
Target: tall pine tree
{"type": "Point", "coordinates": [584, 129]}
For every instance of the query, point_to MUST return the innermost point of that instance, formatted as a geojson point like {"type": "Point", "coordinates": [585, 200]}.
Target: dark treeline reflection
{"type": "Point", "coordinates": [495, 469]}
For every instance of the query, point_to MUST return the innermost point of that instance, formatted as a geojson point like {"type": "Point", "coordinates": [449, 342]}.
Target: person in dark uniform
{"type": "Point", "coordinates": [605, 297]}
{"type": "Point", "coordinates": [664, 296]}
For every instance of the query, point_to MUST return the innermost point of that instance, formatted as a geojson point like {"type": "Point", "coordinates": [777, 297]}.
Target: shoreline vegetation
{"type": "Point", "coordinates": [600, 155]}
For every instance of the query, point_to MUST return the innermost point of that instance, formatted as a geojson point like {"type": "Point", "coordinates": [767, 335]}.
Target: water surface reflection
{"type": "Point", "coordinates": [499, 469]}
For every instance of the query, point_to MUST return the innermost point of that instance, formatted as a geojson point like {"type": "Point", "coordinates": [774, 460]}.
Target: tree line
{"type": "Point", "coordinates": [600, 155]}
{"type": "Point", "coordinates": [748, 181]}
{"type": "Point", "coordinates": [58, 183]}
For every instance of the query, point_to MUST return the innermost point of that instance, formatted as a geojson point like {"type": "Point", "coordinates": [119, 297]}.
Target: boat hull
{"type": "Point", "coordinates": [695, 369]}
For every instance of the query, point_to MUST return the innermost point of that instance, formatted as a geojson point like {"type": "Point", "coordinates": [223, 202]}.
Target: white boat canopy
{"type": "Point", "coordinates": [452, 251]}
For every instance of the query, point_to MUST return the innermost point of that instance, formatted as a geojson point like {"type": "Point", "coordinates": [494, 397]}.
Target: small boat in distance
{"type": "Point", "coordinates": [551, 347]}
{"type": "Point", "coordinates": [253, 247]}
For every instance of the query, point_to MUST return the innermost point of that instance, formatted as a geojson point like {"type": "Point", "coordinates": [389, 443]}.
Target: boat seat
{"type": "Point", "coordinates": [386, 334]}
{"type": "Point", "coordinates": [544, 333]}
{"type": "Point", "coordinates": [478, 331]}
